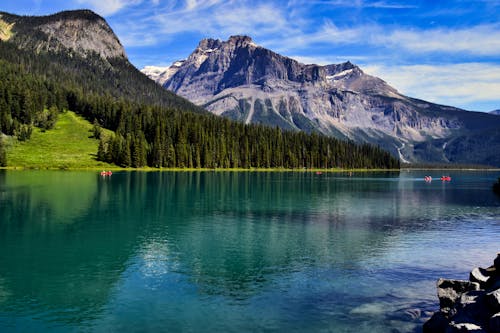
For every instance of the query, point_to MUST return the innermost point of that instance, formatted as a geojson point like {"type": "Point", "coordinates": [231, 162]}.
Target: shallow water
{"type": "Point", "coordinates": [236, 252]}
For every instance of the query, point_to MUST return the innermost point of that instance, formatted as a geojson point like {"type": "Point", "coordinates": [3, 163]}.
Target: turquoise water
{"type": "Point", "coordinates": [236, 252]}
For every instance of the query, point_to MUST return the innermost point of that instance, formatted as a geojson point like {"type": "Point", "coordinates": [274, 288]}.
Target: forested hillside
{"type": "Point", "coordinates": [152, 127]}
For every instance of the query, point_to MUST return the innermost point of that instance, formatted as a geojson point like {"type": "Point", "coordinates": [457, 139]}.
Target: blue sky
{"type": "Point", "coordinates": [442, 51]}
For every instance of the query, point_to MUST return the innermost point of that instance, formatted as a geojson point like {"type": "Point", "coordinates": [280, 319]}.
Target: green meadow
{"type": "Point", "coordinates": [69, 145]}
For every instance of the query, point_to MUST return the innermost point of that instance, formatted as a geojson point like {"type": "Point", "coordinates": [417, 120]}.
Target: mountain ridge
{"type": "Point", "coordinates": [246, 82]}
{"type": "Point", "coordinates": [46, 73]}
{"type": "Point", "coordinates": [80, 31]}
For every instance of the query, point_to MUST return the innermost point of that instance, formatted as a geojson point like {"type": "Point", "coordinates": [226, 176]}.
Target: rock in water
{"type": "Point", "coordinates": [468, 306]}
{"type": "Point", "coordinates": [493, 299]}
{"type": "Point", "coordinates": [494, 324]}
{"type": "Point", "coordinates": [496, 262]}
{"type": "Point", "coordinates": [480, 276]}
{"type": "Point", "coordinates": [449, 291]}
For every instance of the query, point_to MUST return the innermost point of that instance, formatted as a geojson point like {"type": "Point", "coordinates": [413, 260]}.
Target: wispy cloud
{"type": "Point", "coordinates": [358, 3]}
{"type": "Point", "coordinates": [482, 40]}
{"type": "Point", "coordinates": [214, 18]}
{"type": "Point", "coordinates": [292, 30]}
{"type": "Point", "coordinates": [479, 40]}
{"type": "Point", "coordinates": [108, 7]}
{"type": "Point", "coordinates": [453, 84]}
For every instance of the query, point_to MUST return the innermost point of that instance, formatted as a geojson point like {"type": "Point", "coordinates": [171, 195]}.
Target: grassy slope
{"type": "Point", "coordinates": [68, 145]}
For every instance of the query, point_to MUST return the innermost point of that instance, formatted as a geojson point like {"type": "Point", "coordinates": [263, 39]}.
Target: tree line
{"type": "Point", "coordinates": [153, 127]}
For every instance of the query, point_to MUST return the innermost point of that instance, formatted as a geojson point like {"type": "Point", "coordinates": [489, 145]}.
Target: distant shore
{"type": "Point", "coordinates": [117, 168]}
{"type": "Point", "coordinates": [316, 170]}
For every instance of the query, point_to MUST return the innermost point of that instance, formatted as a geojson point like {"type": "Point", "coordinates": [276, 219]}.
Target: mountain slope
{"type": "Point", "coordinates": [79, 50]}
{"type": "Point", "coordinates": [243, 81]}
{"type": "Point", "coordinates": [48, 65]}
{"type": "Point", "coordinates": [82, 32]}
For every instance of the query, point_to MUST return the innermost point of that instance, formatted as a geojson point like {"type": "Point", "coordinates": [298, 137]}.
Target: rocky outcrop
{"type": "Point", "coordinates": [468, 306]}
{"type": "Point", "coordinates": [81, 32]}
{"type": "Point", "coordinates": [243, 81]}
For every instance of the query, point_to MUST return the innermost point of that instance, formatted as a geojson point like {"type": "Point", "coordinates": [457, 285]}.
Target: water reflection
{"type": "Point", "coordinates": [91, 250]}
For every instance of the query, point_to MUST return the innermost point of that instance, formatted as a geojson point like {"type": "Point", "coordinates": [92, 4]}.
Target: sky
{"type": "Point", "coordinates": [442, 51]}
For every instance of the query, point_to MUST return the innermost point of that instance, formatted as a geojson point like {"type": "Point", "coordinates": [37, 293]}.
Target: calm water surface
{"type": "Point", "coordinates": [236, 252]}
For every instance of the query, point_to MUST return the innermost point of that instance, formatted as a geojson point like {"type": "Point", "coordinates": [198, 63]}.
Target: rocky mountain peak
{"type": "Point", "coordinates": [80, 31]}
{"type": "Point", "coordinates": [238, 79]}
{"type": "Point", "coordinates": [240, 41]}
{"type": "Point", "coordinates": [209, 44]}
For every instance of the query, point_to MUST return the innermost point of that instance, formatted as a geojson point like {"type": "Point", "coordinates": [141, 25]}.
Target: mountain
{"type": "Point", "coordinates": [73, 61]}
{"type": "Point", "coordinates": [79, 49]}
{"type": "Point", "coordinates": [495, 112]}
{"type": "Point", "coordinates": [240, 80]}
{"type": "Point", "coordinates": [81, 32]}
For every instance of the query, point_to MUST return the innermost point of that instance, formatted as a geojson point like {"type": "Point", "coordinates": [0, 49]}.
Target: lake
{"type": "Point", "coordinates": [236, 251]}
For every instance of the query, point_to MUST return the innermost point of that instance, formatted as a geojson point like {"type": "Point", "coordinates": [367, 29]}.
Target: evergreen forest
{"type": "Point", "coordinates": [152, 127]}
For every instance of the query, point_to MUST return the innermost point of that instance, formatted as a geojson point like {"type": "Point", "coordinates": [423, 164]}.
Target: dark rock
{"type": "Point", "coordinates": [496, 262]}
{"type": "Point", "coordinates": [493, 300]}
{"type": "Point", "coordinates": [437, 324]}
{"type": "Point", "coordinates": [471, 308]}
{"type": "Point", "coordinates": [494, 324]}
{"type": "Point", "coordinates": [468, 306]}
{"type": "Point", "coordinates": [480, 276]}
{"type": "Point", "coordinates": [449, 291]}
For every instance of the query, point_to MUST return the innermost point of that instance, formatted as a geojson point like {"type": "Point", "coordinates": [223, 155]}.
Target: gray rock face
{"type": "Point", "coordinates": [82, 32]}
{"type": "Point", "coordinates": [243, 81]}
{"type": "Point", "coordinates": [467, 306]}
{"type": "Point", "coordinates": [450, 291]}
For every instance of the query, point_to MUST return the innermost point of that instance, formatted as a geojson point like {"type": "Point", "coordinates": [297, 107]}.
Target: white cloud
{"type": "Point", "coordinates": [219, 19]}
{"type": "Point", "coordinates": [479, 40]}
{"type": "Point", "coordinates": [482, 40]}
{"type": "Point", "coordinates": [450, 84]}
{"type": "Point", "coordinates": [191, 5]}
{"type": "Point", "coordinates": [108, 7]}
{"type": "Point", "coordinates": [327, 60]}
{"type": "Point", "coordinates": [362, 4]}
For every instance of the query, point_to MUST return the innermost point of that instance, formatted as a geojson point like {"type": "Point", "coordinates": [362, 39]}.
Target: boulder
{"type": "Point", "coordinates": [480, 276]}
{"type": "Point", "coordinates": [449, 291]}
{"type": "Point", "coordinates": [496, 262]}
{"type": "Point", "coordinates": [468, 306]}
{"type": "Point", "coordinates": [471, 308]}
{"type": "Point", "coordinates": [494, 324]}
{"type": "Point", "coordinates": [436, 324]}
{"type": "Point", "coordinates": [493, 300]}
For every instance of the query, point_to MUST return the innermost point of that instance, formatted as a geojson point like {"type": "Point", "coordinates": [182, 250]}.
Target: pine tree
{"type": "Point", "coordinates": [3, 153]}
{"type": "Point", "coordinates": [101, 150]}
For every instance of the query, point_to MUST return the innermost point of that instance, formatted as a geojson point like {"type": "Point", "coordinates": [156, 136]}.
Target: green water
{"type": "Point", "coordinates": [236, 252]}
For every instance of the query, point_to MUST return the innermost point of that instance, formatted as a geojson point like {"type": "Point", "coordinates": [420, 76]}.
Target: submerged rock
{"type": "Point", "coordinates": [468, 306]}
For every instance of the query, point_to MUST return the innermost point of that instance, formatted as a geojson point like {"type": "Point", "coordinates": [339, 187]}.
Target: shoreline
{"type": "Point", "coordinates": [152, 169]}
